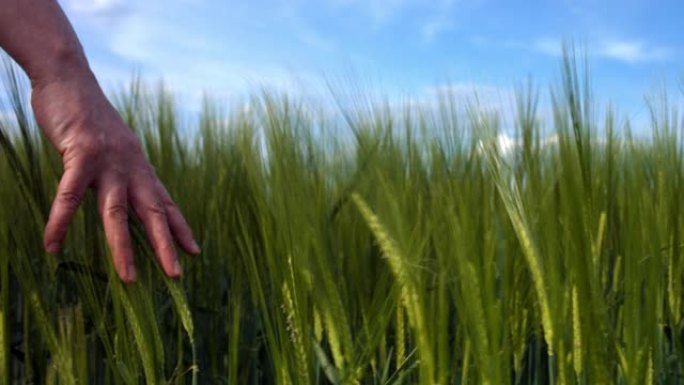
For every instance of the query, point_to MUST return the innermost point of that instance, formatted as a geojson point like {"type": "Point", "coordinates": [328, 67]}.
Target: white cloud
{"type": "Point", "coordinates": [507, 144]}
{"type": "Point", "coordinates": [548, 46]}
{"type": "Point", "coordinates": [149, 40]}
{"type": "Point", "coordinates": [98, 8]}
{"type": "Point", "coordinates": [379, 10]}
{"type": "Point", "coordinates": [429, 18]}
{"type": "Point", "coordinates": [434, 27]}
{"type": "Point", "coordinates": [195, 62]}
{"type": "Point", "coordinates": [196, 65]}
{"type": "Point", "coordinates": [632, 51]}
{"type": "Point", "coordinates": [290, 14]}
{"type": "Point", "coordinates": [315, 40]}
{"type": "Point", "coordinates": [384, 11]}
{"type": "Point", "coordinates": [627, 51]}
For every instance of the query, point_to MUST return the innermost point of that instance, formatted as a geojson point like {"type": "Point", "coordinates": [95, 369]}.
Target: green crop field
{"type": "Point", "coordinates": [386, 246]}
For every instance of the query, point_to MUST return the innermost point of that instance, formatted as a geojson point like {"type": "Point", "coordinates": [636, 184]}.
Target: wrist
{"type": "Point", "coordinates": [66, 102]}
{"type": "Point", "coordinates": [62, 64]}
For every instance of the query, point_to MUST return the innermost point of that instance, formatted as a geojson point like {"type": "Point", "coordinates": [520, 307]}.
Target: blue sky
{"type": "Point", "coordinates": [403, 47]}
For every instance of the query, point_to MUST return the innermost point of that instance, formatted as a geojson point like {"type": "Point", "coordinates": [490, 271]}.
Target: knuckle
{"type": "Point", "coordinates": [69, 199]}
{"type": "Point", "coordinates": [157, 209]}
{"type": "Point", "coordinates": [118, 212]}
{"type": "Point", "coordinates": [169, 203]}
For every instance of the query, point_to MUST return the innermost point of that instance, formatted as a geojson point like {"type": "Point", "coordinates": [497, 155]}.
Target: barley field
{"type": "Point", "coordinates": [381, 245]}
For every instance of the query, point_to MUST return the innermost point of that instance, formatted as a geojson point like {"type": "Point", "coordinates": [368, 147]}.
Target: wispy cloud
{"type": "Point", "coordinates": [633, 51]}
{"type": "Point", "coordinates": [508, 144]}
{"type": "Point", "coordinates": [548, 46]}
{"type": "Point", "coordinates": [197, 63]}
{"type": "Point", "coordinates": [100, 9]}
{"type": "Point", "coordinates": [380, 10]}
{"type": "Point", "coordinates": [623, 50]}
{"type": "Point", "coordinates": [432, 28]}
{"type": "Point", "coordinates": [313, 39]}
{"type": "Point", "coordinates": [145, 40]}
{"type": "Point", "coordinates": [290, 13]}
{"type": "Point", "coordinates": [384, 11]}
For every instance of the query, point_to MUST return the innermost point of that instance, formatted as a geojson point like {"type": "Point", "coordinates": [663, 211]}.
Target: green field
{"type": "Point", "coordinates": [372, 245]}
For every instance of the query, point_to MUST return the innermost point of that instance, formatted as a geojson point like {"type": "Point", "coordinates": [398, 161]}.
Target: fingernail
{"type": "Point", "coordinates": [177, 270]}
{"type": "Point", "coordinates": [131, 273]}
{"type": "Point", "coordinates": [52, 248]}
{"type": "Point", "coordinates": [195, 247]}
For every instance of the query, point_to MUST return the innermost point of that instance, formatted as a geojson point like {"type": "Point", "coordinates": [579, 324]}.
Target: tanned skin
{"type": "Point", "coordinates": [98, 150]}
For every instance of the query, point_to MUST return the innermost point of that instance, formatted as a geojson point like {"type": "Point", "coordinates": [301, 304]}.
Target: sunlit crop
{"type": "Point", "coordinates": [377, 246]}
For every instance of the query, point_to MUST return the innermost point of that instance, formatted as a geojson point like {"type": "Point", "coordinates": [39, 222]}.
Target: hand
{"type": "Point", "coordinates": [99, 151]}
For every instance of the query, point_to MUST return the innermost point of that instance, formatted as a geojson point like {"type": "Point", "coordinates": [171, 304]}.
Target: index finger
{"type": "Point", "coordinates": [70, 192]}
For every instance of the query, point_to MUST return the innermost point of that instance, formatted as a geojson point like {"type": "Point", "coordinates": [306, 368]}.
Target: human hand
{"type": "Point", "coordinates": [99, 151]}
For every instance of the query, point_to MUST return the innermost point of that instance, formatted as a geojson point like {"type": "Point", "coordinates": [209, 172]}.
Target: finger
{"type": "Point", "coordinates": [112, 202]}
{"type": "Point", "coordinates": [70, 192]}
{"type": "Point", "coordinates": [179, 227]}
{"type": "Point", "coordinates": [150, 209]}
